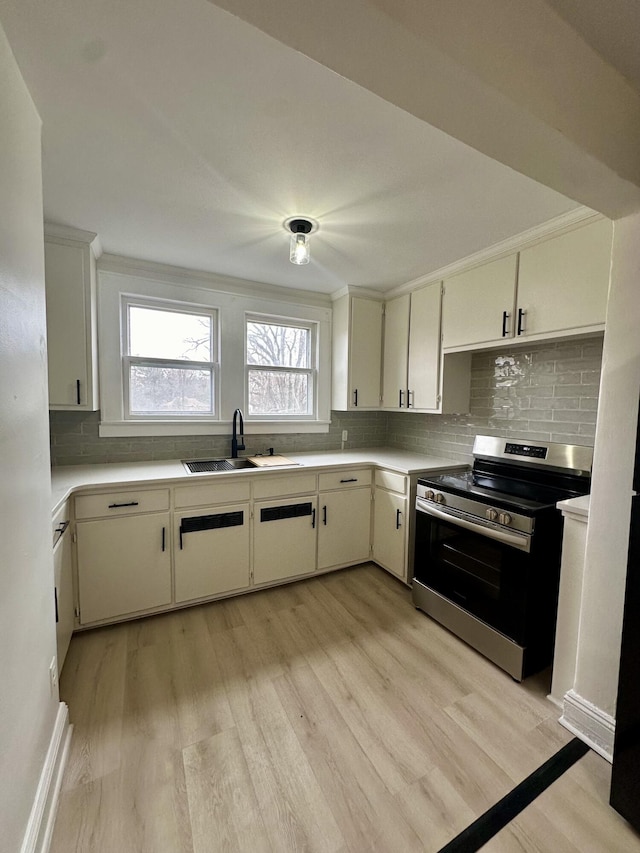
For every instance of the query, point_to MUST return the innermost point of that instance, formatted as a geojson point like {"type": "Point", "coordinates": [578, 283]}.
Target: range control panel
{"type": "Point", "coordinates": [526, 450]}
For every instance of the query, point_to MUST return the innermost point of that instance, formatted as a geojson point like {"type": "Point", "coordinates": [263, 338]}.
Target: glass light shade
{"type": "Point", "coordinates": [299, 253]}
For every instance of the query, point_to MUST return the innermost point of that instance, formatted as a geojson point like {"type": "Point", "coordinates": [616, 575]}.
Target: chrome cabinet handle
{"type": "Point", "coordinates": [410, 395]}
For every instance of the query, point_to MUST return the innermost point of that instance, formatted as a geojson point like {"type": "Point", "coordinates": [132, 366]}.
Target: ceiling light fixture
{"type": "Point", "coordinates": [300, 230]}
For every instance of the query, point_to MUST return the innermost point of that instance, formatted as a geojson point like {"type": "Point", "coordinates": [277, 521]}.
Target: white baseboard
{"type": "Point", "coordinates": [588, 722]}
{"type": "Point", "coordinates": [37, 838]}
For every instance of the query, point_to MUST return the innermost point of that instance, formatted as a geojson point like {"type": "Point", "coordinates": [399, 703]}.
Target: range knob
{"type": "Point", "coordinates": [439, 498]}
{"type": "Point", "coordinates": [492, 514]}
{"type": "Point", "coordinates": [505, 518]}
{"type": "Point", "coordinates": [429, 494]}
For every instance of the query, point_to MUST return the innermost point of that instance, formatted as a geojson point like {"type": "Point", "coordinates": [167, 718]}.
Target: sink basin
{"type": "Point", "coordinates": [200, 466]}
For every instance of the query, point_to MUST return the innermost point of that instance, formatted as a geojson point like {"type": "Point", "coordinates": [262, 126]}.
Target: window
{"type": "Point", "coordinates": [168, 361]}
{"type": "Point", "coordinates": [177, 356]}
{"type": "Point", "coordinates": [281, 374]}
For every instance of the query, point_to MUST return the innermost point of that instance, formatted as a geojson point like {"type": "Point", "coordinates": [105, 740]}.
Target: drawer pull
{"type": "Point", "coordinates": [398, 517]}
{"type": "Point", "coordinates": [117, 506]}
{"type": "Point", "coordinates": [78, 398]}
{"type": "Point", "coordinates": [324, 515]}
{"type": "Point", "coordinates": [163, 537]}
{"type": "Point", "coordinates": [350, 480]}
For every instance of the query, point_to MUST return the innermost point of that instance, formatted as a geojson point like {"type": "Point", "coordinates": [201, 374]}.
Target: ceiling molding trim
{"type": "Point", "coordinates": [121, 265]}
{"type": "Point", "coordinates": [353, 290]}
{"type": "Point", "coordinates": [553, 227]}
{"type": "Point", "coordinates": [66, 232]}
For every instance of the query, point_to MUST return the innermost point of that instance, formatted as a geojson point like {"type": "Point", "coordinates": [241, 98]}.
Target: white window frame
{"type": "Point", "coordinates": [311, 371]}
{"type": "Point", "coordinates": [213, 365]}
{"type": "Point", "coordinates": [232, 300]}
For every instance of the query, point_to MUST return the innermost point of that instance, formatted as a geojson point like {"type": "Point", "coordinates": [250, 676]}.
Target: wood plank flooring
{"type": "Point", "coordinates": [327, 715]}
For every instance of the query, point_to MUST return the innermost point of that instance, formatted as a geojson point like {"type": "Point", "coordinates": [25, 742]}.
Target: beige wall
{"type": "Point", "coordinates": [27, 628]}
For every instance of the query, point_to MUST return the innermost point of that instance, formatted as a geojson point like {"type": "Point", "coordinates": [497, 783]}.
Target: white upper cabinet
{"type": "Point", "coordinates": [414, 374]}
{"type": "Point", "coordinates": [424, 348]}
{"type": "Point", "coordinates": [563, 283]}
{"type": "Point", "coordinates": [357, 353]}
{"type": "Point", "coordinates": [478, 305]}
{"type": "Point", "coordinates": [396, 352]}
{"type": "Point", "coordinates": [555, 288]}
{"type": "Point", "coordinates": [70, 276]}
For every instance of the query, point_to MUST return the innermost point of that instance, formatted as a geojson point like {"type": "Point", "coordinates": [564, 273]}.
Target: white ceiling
{"type": "Point", "coordinates": [182, 135]}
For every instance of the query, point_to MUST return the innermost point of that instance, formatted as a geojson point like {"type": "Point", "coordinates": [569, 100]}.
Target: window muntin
{"type": "Point", "coordinates": [280, 359]}
{"type": "Point", "coordinates": [168, 366]}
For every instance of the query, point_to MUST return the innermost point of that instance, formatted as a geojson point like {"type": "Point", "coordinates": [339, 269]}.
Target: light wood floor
{"type": "Point", "coordinates": [326, 715]}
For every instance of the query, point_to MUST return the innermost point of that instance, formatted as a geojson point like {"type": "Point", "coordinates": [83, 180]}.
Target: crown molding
{"type": "Point", "coordinates": [553, 227]}
{"type": "Point", "coordinates": [66, 232]}
{"type": "Point", "coordinates": [121, 265]}
{"type": "Point", "coordinates": [353, 290]}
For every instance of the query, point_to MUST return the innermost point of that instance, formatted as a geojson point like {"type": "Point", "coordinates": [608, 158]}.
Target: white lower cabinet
{"type": "Point", "coordinates": [284, 538]}
{"type": "Point", "coordinates": [124, 565]}
{"type": "Point", "coordinates": [389, 531]}
{"type": "Point", "coordinates": [211, 550]}
{"type": "Point", "coordinates": [344, 527]}
{"type": "Point", "coordinates": [63, 579]}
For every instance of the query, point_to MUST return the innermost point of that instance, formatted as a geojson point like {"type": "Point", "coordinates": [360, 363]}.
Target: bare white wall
{"type": "Point", "coordinates": [27, 628]}
{"type": "Point", "coordinates": [608, 530]}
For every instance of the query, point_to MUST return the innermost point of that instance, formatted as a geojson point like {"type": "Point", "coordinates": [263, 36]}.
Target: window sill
{"type": "Point", "coordinates": [162, 428]}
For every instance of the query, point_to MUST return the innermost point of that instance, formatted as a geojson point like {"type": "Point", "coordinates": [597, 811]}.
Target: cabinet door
{"type": "Point", "coordinates": [284, 538]}
{"type": "Point", "coordinates": [474, 304]}
{"type": "Point", "coordinates": [123, 565]}
{"type": "Point", "coordinates": [396, 343]}
{"type": "Point", "coordinates": [389, 525]}
{"type": "Point", "coordinates": [211, 551]}
{"type": "Point", "coordinates": [70, 285]}
{"type": "Point", "coordinates": [424, 348]}
{"type": "Point", "coordinates": [344, 527]}
{"type": "Point", "coordinates": [62, 565]}
{"type": "Point", "coordinates": [365, 353]}
{"type": "Point", "coordinates": [563, 283]}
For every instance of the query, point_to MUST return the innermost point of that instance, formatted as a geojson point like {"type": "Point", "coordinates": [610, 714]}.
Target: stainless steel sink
{"type": "Point", "coordinates": [200, 466]}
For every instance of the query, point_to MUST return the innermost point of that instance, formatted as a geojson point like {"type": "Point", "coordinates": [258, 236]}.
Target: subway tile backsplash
{"type": "Point", "coordinates": [548, 391]}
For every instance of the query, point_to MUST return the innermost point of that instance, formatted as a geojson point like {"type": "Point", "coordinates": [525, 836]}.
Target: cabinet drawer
{"type": "Point", "coordinates": [212, 493]}
{"type": "Point", "coordinates": [121, 503]}
{"type": "Point", "coordinates": [345, 479]}
{"type": "Point", "coordinates": [391, 481]}
{"type": "Point", "coordinates": [272, 487]}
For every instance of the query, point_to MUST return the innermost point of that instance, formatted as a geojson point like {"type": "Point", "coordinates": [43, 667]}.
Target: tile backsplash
{"type": "Point", "coordinates": [547, 391]}
{"type": "Point", "coordinates": [75, 440]}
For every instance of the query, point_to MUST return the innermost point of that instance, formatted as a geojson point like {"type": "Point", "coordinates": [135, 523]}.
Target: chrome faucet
{"type": "Point", "coordinates": [236, 444]}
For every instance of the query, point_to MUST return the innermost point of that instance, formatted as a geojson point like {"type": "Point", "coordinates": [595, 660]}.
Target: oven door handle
{"type": "Point", "coordinates": [517, 540]}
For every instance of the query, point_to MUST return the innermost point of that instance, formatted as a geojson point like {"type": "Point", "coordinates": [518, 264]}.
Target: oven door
{"type": "Point", "coordinates": [480, 567]}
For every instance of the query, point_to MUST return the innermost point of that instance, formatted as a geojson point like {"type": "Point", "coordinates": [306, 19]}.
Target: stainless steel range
{"type": "Point", "coordinates": [488, 547]}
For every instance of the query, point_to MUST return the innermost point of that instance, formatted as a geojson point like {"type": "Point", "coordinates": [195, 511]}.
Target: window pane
{"type": "Point", "coordinates": [273, 392]}
{"type": "Point", "coordinates": [169, 334]}
{"type": "Point", "coordinates": [170, 390]}
{"type": "Point", "coordinates": [277, 346]}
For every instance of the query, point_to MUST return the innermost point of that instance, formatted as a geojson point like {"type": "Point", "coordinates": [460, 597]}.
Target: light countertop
{"type": "Point", "coordinates": [71, 478]}
{"type": "Point", "coordinates": [575, 506]}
